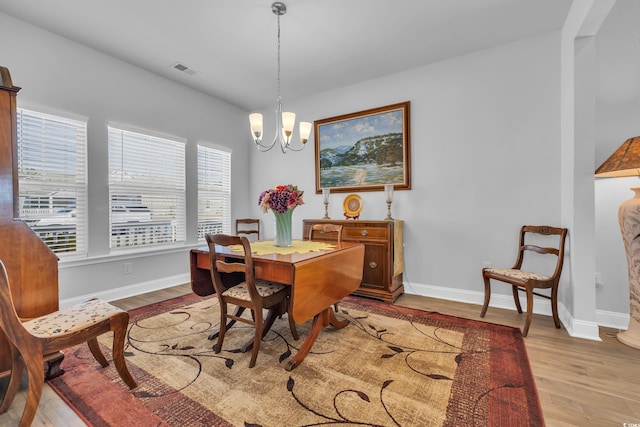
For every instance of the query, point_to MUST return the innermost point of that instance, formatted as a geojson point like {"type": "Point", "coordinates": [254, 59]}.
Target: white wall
{"type": "Point", "coordinates": [485, 147]}
{"type": "Point", "coordinates": [59, 76]}
{"type": "Point", "coordinates": [481, 125]}
{"type": "Point", "coordinates": [617, 119]}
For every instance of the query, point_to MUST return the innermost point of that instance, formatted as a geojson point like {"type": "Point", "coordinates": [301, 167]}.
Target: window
{"type": "Point", "coordinates": [146, 189]}
{"type": "Point", "coordinates": [52, 176]}
{"type": "Point", "coordinates": [214, 191]}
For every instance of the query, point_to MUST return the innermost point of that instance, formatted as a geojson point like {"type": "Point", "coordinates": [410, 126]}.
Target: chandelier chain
{"type": "Point", "coordinates": [278, 58]}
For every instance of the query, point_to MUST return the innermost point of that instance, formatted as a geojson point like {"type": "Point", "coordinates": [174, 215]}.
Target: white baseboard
{"type": "Point", "coordinates": [578, 328]}
{"type": "Point", "coordinates": [575, 328]}
{"type": "Point", "coordinates": [474, 297]}
{"type": "Point", "coordinates": [612, 319]}
{"type": "Point", "coordinates": [130, 290]}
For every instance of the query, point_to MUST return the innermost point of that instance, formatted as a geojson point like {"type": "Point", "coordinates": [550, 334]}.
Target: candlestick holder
{"type": "Point", "coordinates": [388, 192]}
{"type": "Point", "coordinates": [325, 199]}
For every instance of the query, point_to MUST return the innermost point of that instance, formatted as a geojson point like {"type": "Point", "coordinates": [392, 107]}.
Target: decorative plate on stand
{"type": "Point", "coordinates": [352, 205]}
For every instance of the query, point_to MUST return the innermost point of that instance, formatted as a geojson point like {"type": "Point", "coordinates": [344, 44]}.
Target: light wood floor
{"type": "Point", "coordinates": [580, 382]}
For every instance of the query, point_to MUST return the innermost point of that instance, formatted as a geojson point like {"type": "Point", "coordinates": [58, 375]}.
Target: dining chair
{"type": "Point", "coordinates": [248, 226]}
{"type": "Point", "coordinates": [525, 280]}
{"type": "Point", "coordinates": [31, 339]}
{"type": "Point", "coordinates": [254, 294]}
{"type": "Point", "coordinates": [333, 231]}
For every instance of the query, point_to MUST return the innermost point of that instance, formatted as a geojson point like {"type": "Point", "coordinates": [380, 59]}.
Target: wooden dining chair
{"type": "Point", "coordinates": [332, 231]}
{"type": "Point", "coordinates": [526, 281]}
{"type": "Point", "coordinates": [251, 293]}
{"type": "Point", "coordinates": [327, 231]}
{"type": "Point", "coordinates": [53, 332]}
{"type": "Point", "coordinates": [248, 226]}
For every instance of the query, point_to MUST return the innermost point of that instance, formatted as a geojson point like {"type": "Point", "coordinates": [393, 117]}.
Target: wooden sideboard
{"type": "Point", "coordinates": [383, 254]}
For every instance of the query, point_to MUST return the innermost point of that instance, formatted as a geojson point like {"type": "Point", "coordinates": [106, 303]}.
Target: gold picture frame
{"type": "Point", "coordinates": [365, 150]}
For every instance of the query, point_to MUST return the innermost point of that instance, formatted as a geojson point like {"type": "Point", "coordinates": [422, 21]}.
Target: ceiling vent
{"type": "Point", "coordinates": [181, 67]}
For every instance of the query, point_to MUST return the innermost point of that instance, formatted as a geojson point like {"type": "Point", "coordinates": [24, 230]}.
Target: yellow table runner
{"type": "Point", "coordinates": [265, 247]}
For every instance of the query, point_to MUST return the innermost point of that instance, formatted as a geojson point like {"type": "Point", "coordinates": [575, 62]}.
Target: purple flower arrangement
{"type": "Point", "coordinates": [280, 199]}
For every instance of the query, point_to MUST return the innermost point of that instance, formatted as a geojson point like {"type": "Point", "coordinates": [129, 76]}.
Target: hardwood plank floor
{"type": "Point", "coordinates": [580, 382]}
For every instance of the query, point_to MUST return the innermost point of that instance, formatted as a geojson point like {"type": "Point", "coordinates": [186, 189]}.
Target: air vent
{"type": "Point", "coordinates": [181, 67]}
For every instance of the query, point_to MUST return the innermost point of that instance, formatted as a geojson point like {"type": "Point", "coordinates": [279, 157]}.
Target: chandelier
{"type": "Point", "coordinates": [285, 121]}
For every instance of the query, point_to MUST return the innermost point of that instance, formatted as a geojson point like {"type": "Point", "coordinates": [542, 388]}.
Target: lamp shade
{"type": "Point", "coordinates": [305, 131]}
{"type": "Point", "coordinates": [288, 122]}
{"type": "Point", "coordinates": [625, 161]}
{"type": "Point", "coordinates": [255, 121]}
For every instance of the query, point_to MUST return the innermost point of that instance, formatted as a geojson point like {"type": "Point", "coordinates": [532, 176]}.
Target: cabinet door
{"type": "Point", "coordinates": [374, 266]}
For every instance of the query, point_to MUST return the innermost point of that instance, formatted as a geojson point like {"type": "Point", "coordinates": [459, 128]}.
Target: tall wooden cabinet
{"type": "Point", "coordinates": [32, 267]}
{"type": "Point", "coordinates": [383, 254]}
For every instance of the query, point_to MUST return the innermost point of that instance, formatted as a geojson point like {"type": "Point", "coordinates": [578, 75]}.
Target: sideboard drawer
{"type": "Point", "coordinates": [364, 233]}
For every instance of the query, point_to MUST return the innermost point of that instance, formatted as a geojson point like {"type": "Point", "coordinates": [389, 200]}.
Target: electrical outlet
{"type": "Point", "coordinates": [487, 264]}
{"type": "Point", "coordinates": [598, 281]}
{"type": "Point", "coordinates": [127, 268]}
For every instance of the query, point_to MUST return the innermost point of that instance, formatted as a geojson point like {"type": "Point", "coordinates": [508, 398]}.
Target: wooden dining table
{"type": "Point", "coordinates": [320, 278]}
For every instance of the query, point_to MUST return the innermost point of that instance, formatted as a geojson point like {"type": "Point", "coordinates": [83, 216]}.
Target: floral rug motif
{"type": "Point", "coordinates": [391, 366]}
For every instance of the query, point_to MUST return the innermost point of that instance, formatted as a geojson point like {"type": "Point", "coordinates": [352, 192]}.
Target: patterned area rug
{"type": "Point", "coordinates": [391, 366]}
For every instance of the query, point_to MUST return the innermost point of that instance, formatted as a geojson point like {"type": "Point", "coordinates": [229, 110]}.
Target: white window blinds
{"type": "Point", "coordinates": [52, 174]}
{"type": "Point", "coordinates": [146, 189]}
{"type": "Point", "coordinates": [214, 191]}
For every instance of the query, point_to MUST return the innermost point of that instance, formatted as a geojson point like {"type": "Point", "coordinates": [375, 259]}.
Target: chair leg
{"type": "Point", "coordinates": [554, 306]}
{"type": "Point", "coordinates": [292, 326]}
{"type": "Point", "coordinates": [223, 328]}
{"type": "Point", "coordinates": [292, 323]}
{"type": "Point", "coordinates": [17, 368]}
{"type": "Point", "coordinates": [487, 295]}
{"type": "Point", "coordinates": [282, 307]}
{"type": "Point", "coordinates": [257, 339]}
{"type": "Point", "coordinates": [97, 353]}
{"type": "Point", "coordinates": [516, 298]}
{"type": "Point", "coordinates": [267, 322]}
{"type": "Point", "coordinates": [527, 322]}
{"type": "Point", "coordinates": [237, 312]}
{"type": "Point", "coordinates": [119, 335]}
{"type": "Point", "coordinates": [35, 370]}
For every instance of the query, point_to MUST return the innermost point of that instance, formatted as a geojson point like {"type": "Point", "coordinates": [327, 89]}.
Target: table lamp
{"type": "Point", "coordinates": [625, 161]}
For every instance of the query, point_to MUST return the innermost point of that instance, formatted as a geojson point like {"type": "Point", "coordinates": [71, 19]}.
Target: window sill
{"type": "Point", "coordinates": [125, 254]}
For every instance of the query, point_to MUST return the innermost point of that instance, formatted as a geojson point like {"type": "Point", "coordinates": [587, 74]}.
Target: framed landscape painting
{"type": "Point", "coordinates": [363, 151]}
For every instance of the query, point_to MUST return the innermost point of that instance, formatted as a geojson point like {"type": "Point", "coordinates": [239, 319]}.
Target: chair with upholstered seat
{"type": "Point", "coordinates": [53, 332]}
{"type": "Point", "coordinates": [249, 292]}
{"type": "Point", "coordinates": [526, 281]}
{"type": "Point", "coordinates": [332, 231]}
{"type": "Point", "coordinates": [248, 226]}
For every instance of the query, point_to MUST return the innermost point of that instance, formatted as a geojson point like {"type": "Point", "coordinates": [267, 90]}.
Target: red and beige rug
{"type": "Point", "coordinates": [391, 366]}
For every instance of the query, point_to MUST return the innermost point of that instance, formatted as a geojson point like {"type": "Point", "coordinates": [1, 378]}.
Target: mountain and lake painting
{"type": "Point", "coordinates": [361, 150]}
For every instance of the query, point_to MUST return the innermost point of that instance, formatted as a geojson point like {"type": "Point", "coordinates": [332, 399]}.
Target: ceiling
{"type": "Point", "coordinates": [325, 44]}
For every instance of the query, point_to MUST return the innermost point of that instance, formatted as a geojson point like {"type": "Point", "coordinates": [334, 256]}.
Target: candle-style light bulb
{"type": "Point", "coordinates": [325, 200]}
{"type": "Point", "coordinates": [388, 192]}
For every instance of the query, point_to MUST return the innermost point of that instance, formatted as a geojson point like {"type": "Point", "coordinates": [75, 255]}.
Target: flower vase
{"type": "Point", "coordinates": [283, 228]}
